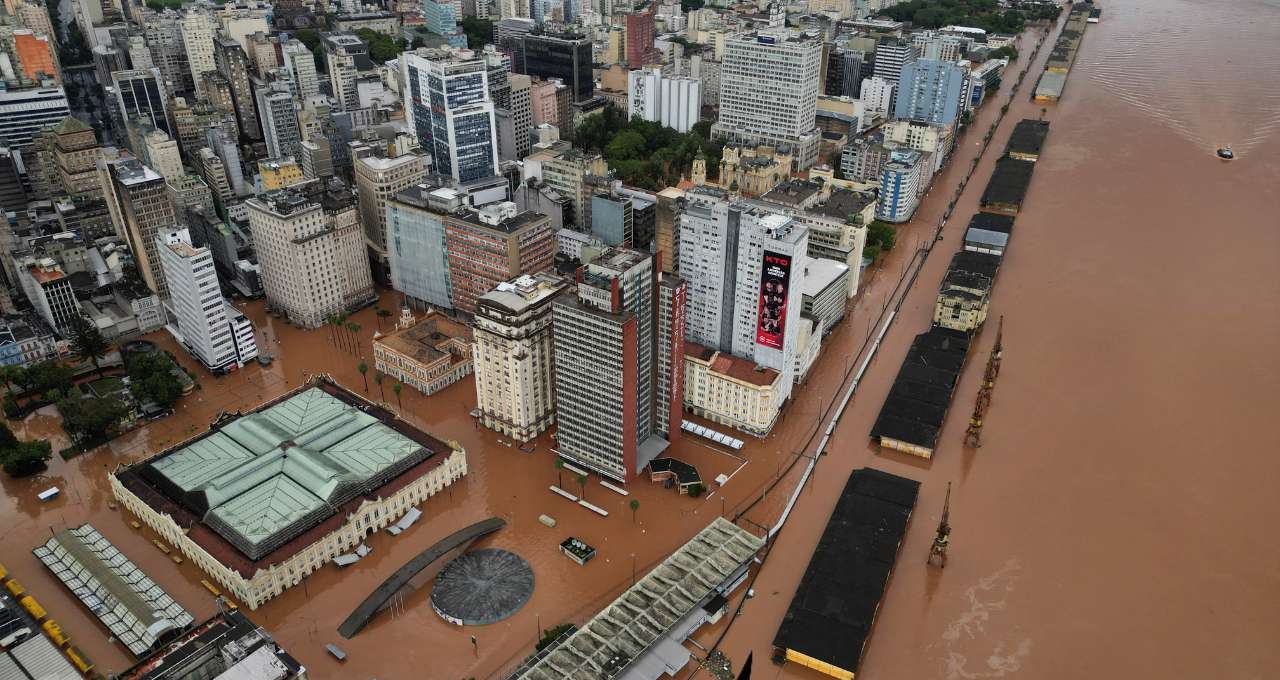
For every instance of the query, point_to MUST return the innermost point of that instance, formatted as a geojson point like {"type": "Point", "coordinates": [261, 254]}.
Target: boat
{"type": "Point", "coordinates": [1226, 154]}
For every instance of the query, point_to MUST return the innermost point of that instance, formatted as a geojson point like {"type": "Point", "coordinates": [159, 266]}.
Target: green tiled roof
{"type": "Point", "coordinates": [272, 474]}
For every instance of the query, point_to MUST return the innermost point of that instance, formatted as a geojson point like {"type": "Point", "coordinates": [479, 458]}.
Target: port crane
{"type": "Point", "coordinates": [973, 434]}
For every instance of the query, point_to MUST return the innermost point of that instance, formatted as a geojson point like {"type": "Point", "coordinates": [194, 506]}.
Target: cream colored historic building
{"type": "Point", "coordinates": [339, 461]}
{"type": "Point", "coordinates": [427, 355]}
{"type": "Point", "coordinates": [731, 391]}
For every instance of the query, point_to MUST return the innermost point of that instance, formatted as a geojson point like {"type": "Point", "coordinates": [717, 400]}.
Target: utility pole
{"type": "Point", "coordinates": [943, 537]}
{"type": "Point", "coordinates": [973, 434]}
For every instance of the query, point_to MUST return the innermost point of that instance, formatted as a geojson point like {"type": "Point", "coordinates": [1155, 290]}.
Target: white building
{"type": "Point", "coordinates": [198, 30]}
{"type": "Point", "coordinates": [215, 333]}
{"type": "Point", "coordinates": [707, 252]}
{"type": "Point", "coordinates": [769, 92]}
{"type": "Point", "coordinates": [25, 112]}
{"type": "Point", "coordinates": [377, 179]}
{"type": "Point", "coordinates": [460, 135]}
{"type": "Point", "coordinates": [513, 355]}
{"type": "Point", "coordinates": [279, 114]}
{"type": "Point", "coordinates": [901, 184]}
{"type": "Point", "coordinates": [674, 102]}
{"type": "Point", "coordinates": [731, 390]}
{"type": "Point", "coordinates": [768, 287]}
{"type": "Point", "coordinates": [301, 64]}
{"type": "Point", "coordinates": [162, 155]}
{"type": "Point", "coordinates": [877, 96]}
{"type": "Point", "coordinates": [313, 258]}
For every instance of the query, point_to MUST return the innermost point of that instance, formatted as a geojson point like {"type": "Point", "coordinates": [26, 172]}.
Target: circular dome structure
{"type": "Point", "coordinates": [482, 587]}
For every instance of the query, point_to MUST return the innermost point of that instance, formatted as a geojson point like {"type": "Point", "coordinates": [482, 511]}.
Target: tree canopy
{"type": "Point", "coordinates": [382, 47]}
{"type": "Point", "coordinates": [985, 14]}
{"type": "Point", "coordinates": [479, 32]}
{"type": "Point", "coordinates": [645, 154]}
{"type": "Point", "coordinates": [93, 419]}
{"type": "Point", "coordinates": [19, 458]}
{"type": "Point", "coordinates": [151, 379]}
{"type": "Point", "coordinates": [87, 341]}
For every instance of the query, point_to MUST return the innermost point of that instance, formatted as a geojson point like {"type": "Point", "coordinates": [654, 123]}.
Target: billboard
{"type": "Point", "coordinates": [775, 279]}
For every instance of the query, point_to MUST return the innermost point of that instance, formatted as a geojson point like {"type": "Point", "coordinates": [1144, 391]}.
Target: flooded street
{"type": "Point", "coordinates": [1116, 521]}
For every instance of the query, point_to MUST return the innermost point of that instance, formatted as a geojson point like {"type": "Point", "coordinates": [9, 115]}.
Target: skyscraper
{"type": "Point", "coordinates": [198, 30]}
{"type": "Point", "coordinates": [377, 179]}
{"type": "Point", "coordinates": [930, 91]}
{"type": "Point", "coordinates": [346, 55]}
{"type": "Point", "coordinates": [233, 64]}
{"type": "Point", "coordinates": [216, 333]}
{"type": "Point", "coordinates": [140, 94]}
{"type": "Point", "coordinates": [614, 398]}
{"type": "Point", "coordinates": [25, 112]}
{"type": "Point", "coordinates": [416, 244]}
{"type": "Point", "coordinates": [674, 102]}
{"type": "Point", "coordinates": [493, 244]}
{"type": "Point", "coordinates": [567, 57]}
{"type": "Point", "coordinates": [449, 109]}
{"type": "Point", "coordinates": [640, 31]}
{"type": "Point", "coordinates": [891, 55]}
{"type": "Point", "coordinates": [521, 112]}
{"type": "Point", "coordinates": [140, 209]}
{"type": "Point", "coordinates": [769, 92]}
{"type": "Point", "coordinates": [279, 114]}
{"type": "Point", "coordinates": [302, 65]}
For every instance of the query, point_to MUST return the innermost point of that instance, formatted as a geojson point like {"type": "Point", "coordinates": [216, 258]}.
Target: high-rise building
{"type": "Point", "coordinates": [513, 355]}
{"type": "Point", "coordinates": [891, 55]}
{"type": "Point", "coordinates": [640, 31]}
{"type": "Point", "coordinates": [844, 73]}
{"type": "Point", "coordinates": [198, 31]}
{"type": "Point", "coordinates": [569, 171]}
{"type": "Point", "coordinates": [878, 96]}
{"type": "Point", "coordinates": [48, 288]}
{"type": "Point", "coordinates": [302, 66]}
{"type": "Point", "coordinates": [140, 209]}
{"type": "Point", "coordinates": [346, 55]}
{"type": "Point", "coordinates": [215, 333]}
{"type": "Point", "coordinates": [614, 405]}
{"type": "Point", "coordinates": [769, 92]}
{"type": "Point", "coordinates": [674, 102]}
{"type": "Point", "coordinates": [521, 112]}
{"type": "Point", "coordinates": [165, 41]}
{"type": "Point", "coordinates": [279, 113]}
{"type": "Point", "coordinates": [74, 157]}
{"type": "Point", "coordinates": [140, 95]}
{"type": "Point", "coordinates": [416, 244]}
{"type": "Point", "coordinates": [901, 181]}
{"type": "Point", "coordinates": [233, 64]}
{"type": "Point", "coordinates": [931, 91]}
{"type": "Point", "coordinates": [442, 21]}
{"type": "Point", "coordinates": [666, 228]}
{"type": "Point", "coordinates": [377, 179]}
{"type": "Point", "coordinates": [311, 250]}
{"type": "Point", "coordinates": [566, 57]}
{"type": "Point", "coordinates": [25, 112]}
{"type": "Point", "coordinates": [494, 244]}
{"type": "Point", "coordinates": [449, 110]}
{"type": "Point", "coordinates": [160, 153]}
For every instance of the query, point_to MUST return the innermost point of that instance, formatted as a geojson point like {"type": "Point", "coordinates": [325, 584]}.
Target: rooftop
{"type": "Point", "coordinates": [844, 202]}
{"type": "Point", "coordinates": [820, 273]}
{"type": "Point", "coordinates": [793, 192]}
{"type": "Point", "coordinates": [227, 641]}
{"type": "Point", "coordinates": [260, 486]}
{"type": "Point", "coordinates": [1028, 136]}
{"type": "Point", "coordinates": [743, 370]}
{"type": "Point", "coordinates": [1009, 182]}
{"type": "Point", "coordinates": [918, 401]}
{"type": "Point", "coordinates": [425, 341]}
{"type": "Point", "coordinates": [518, 295]}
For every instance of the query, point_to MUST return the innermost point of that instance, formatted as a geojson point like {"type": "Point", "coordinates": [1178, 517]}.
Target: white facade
{"type": "Point", "coordinates": [901, 184]}
{"type": "Point", "coordinates": [769, 91]}
{"type": "Point", "coordinates": [729, 397]}
{"type": "Point", "coordinates": [302, 65]}
{"type": "Point", "coordinates": [877, 96]}
{"type": "Point", "coordinates": [198, 30]}
{"type": "Point", "coordinates": [461, 136]}
{"type": "Point", "coordinates": [313, 264]}
{"type": "Point", "coordinates": [198, 308]}
{"type": "Point", "coordinates": [707, 251]}
{"type": "Point", "coordinates": [760, 233]}
{"type": "Point", "coordinates": [279, 115]}
{"type": "Point", "coordinates": [162, 155]}
{"type": "Point", "coordinates": [674, 102]}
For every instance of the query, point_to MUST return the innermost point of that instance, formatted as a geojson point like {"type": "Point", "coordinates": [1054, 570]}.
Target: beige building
{"type": "Point", "coordinates": [513, 356]}
{"type": "Point", "coordinates": [278, 173]}
{"type": "Point", "coordinates": [731, 390]}
{"type": "Point", "coordinates": [427, 355]}
{"type": "Point", "coordinates": [754, 171]}
{"type": "Point", "coordinates": [140, 208]}
{"type": "Point", "coordinates": [566, 169]}
{"type": "Point", "coordinates": [377, 179]}
{"type": "Point", "coordinates": [258, 521]}
{"type": "Point", "coordinates": [68, 157]}
{"type": "Point", "coordinates": [963, 301]}
{"type": "Point", "coordinates": [311, 251]}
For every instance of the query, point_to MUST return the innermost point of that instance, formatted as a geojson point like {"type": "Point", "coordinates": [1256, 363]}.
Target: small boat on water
{"type": "Point", "coordinates": [1226, 154]}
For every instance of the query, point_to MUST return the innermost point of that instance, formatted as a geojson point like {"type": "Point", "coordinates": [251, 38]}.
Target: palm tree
{"type": "Point", "coordinates": [88, 342]}
{"type": "Point", "coordinates": [377, 377]}
{"type": "Point", "coordinates": [635, 505]}
{"type": "Point", "coordinates": [396, 388]}
{"type": "Point", "coordinates": [354, 329]}
{"type": "Point", "coordinates": [582, 484]}
{"type": "Point", "coordinates": [383, 314]}
{"type": "Point", "coordinates": [559, 468]}
{"type": "Point", "coordinates": [364, 369]}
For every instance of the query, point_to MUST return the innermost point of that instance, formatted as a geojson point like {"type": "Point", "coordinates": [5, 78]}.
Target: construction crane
{"type": "Point", "coordinates": [973, 433]}
{"type": "Point", "coordinates": [943, 537]}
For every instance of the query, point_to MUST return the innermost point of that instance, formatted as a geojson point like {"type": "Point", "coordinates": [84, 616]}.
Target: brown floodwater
{"type": "Point", "coordinates": [1116, 521]}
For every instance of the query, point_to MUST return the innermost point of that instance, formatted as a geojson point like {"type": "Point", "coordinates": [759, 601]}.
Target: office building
{"type": "Point", "coordinates": [901, 182]}
{"type": "Point", "coordinates": [416, 252]}
{"type": "Point", "coordinates": [844, 73]}
{"type": "Point", "coordinates": [311, 250]}
{"type": "Point", "coordinates": [521, 112]}
{"type": "Point", "coordinates": [198, 30]}
{"type": "Point", "coordinates": [279, 173]}
{"type": "Point", "coordinates": [48, 288]}
{"type": "Point", "coordinates": [492, 245]}
{"type": "Point", "coordinates": [377, 179]}
{"type": "Point", "coordinates": [247, 502]}
{"type": "Point", "coordinates": [513, 355]}
{"type": "Point", "coordinates": [73, 159]}
{"type": "Point", "coordinates": [931, 91]}
{"type": "Point", "coordinates": [213, 331]}
{"type": "Point", "coordinates": [140, 95]}
{"type": "Point", "coordinates": [442, 21]}
{"type": "Point", "coordinates": [878, 96]}
{"type": "Point", "coordinates": [564, 57]}
{"type": "Point", "coordinates": [233, 63]}
{"type": "Point", "coordinates": [674, 102]}
{"type": "Point", "coordinates": [640, 32]}
{"type": "Point", "coordinates": [570, 171]}
{"type": "Point", "coordinates": [769, 92]}
{"type": "Point", "coordinates": [428, 354]}
{"type": "Point", "coordinates": [731, 390]}
{"type": "Point", "coordinates": [301, 64]}
{"type": "Point", "coordinates": [346, 56]}
{"type": "Point", "coordinates": [160, 153]}
{"type": "Point", "coordinates": [140, 209]}
{"type": "Point", "coordinates": [892, 54]}
{"type": "Point", "coordinates": [279, 114]}
{"type": "Point", "coordinates": [607, 342]}
{"type": "Point", "coordinates": [165, 42]}
{"type": "Point", "coordinates": [449, 110]}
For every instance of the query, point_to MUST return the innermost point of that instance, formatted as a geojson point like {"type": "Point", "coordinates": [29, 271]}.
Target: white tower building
{"type": "Point", "coordinates": [215, 333]}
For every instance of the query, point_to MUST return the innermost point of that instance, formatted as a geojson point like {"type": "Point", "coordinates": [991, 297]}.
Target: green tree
{"type": "Point", "coordinates": [354, 329]}
{"type": "Point", "coordinates": [383, 314]}
{"type": "Point", "coordinates": [87, 342]}
{"type": "Point", "coordinates": [396, 388]}
{"type": "Point", "coordinates": [91, 420]}
{"type": "Point", "coordinates": [635, 505]}
{"type": "Point", "coordinates": [881, 234]}
{"type": "Point", "coordinates": [364, 369]}
{"type": "Point", "coordinates": [26, 458]}
{"type": "Point", "coordinates": [582, 484]}
{"type": "Point", "coordinates": [479, 32]}
{"type": "Point", "coordinates": [151, 379]}
{"type": "Point", "coordinates": [382, 47]}
{"type": "Point", "coordinates": [7, 438]}
{"type": "Point", "coordinates": [559, 469]}
{"type": "Point", "coordinates": [377, 377]}
{"type": "Point", "coordinates": [626, 145]}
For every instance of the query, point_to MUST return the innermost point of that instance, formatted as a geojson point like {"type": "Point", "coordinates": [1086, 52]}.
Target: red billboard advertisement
{"type": "Point", "coordinates": [775, 278]}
